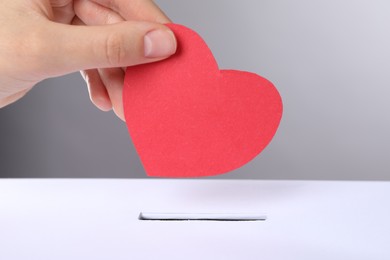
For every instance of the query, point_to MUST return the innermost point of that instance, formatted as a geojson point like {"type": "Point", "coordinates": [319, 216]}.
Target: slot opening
{"type": "Point", "coordinates": [201, 216]}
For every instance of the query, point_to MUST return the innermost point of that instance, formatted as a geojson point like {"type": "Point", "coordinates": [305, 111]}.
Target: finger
{"type": "Point", "coordinates": [119, 45]}
{"type": "Point", "coordinates": [113, 80]}
{"type": "Point", "coordinates": [97, 90]}
{"type": "Point", "coordinates": [144, 10]}
{"type": "Point", "coordinates": [63, 11]}
{"type": "Point", "coordinates": [92, 13]}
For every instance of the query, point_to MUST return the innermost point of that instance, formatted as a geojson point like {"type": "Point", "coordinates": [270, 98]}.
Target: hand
{"type": "Point", "coordinates": [42, 39]}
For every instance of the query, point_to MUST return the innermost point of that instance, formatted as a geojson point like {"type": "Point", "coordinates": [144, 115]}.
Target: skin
{"type": "Point", "coordinates": [48, 38]}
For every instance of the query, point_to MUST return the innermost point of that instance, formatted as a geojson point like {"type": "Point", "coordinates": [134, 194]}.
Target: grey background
{"type": "Point", "coordinates": [330, 61]}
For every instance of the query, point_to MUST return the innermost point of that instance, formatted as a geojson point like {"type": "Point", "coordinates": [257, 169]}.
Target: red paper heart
{"type": "Point", "coordinates": [187, 118]}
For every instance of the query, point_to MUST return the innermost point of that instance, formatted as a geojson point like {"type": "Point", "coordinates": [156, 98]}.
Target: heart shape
{"type": "Point", "coordinates": [187, 118]}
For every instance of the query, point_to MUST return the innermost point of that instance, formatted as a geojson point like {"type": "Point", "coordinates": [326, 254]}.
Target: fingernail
{"type": "Point", "coordinates": [159, 43]}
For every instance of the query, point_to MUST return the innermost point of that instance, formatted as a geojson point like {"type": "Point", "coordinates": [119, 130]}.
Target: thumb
{"type": "Point", "coordinates": [74, 48]}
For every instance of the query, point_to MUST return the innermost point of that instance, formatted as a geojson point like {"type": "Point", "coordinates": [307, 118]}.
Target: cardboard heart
{"type": "Point", "coordinates": [187, 118]}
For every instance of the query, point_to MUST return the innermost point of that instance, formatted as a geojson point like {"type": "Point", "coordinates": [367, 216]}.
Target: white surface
{"type": "Point", "coordinates": [98, 219]}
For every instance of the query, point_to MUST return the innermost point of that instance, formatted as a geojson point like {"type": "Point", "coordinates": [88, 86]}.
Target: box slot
{"type": "Point", "coordinates": [202, 216]}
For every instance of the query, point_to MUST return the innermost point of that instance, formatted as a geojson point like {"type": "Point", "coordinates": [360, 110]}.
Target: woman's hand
{"type": "Point", "coordinates": [43, 38]}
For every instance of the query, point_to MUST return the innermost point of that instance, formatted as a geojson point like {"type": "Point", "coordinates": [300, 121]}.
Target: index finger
{"type": "Point", "coordinates": [145, 10]}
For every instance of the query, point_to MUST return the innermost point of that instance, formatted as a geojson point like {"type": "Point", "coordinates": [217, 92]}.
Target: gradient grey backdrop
{"type": "Point", "coordinates": [329, 59]}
